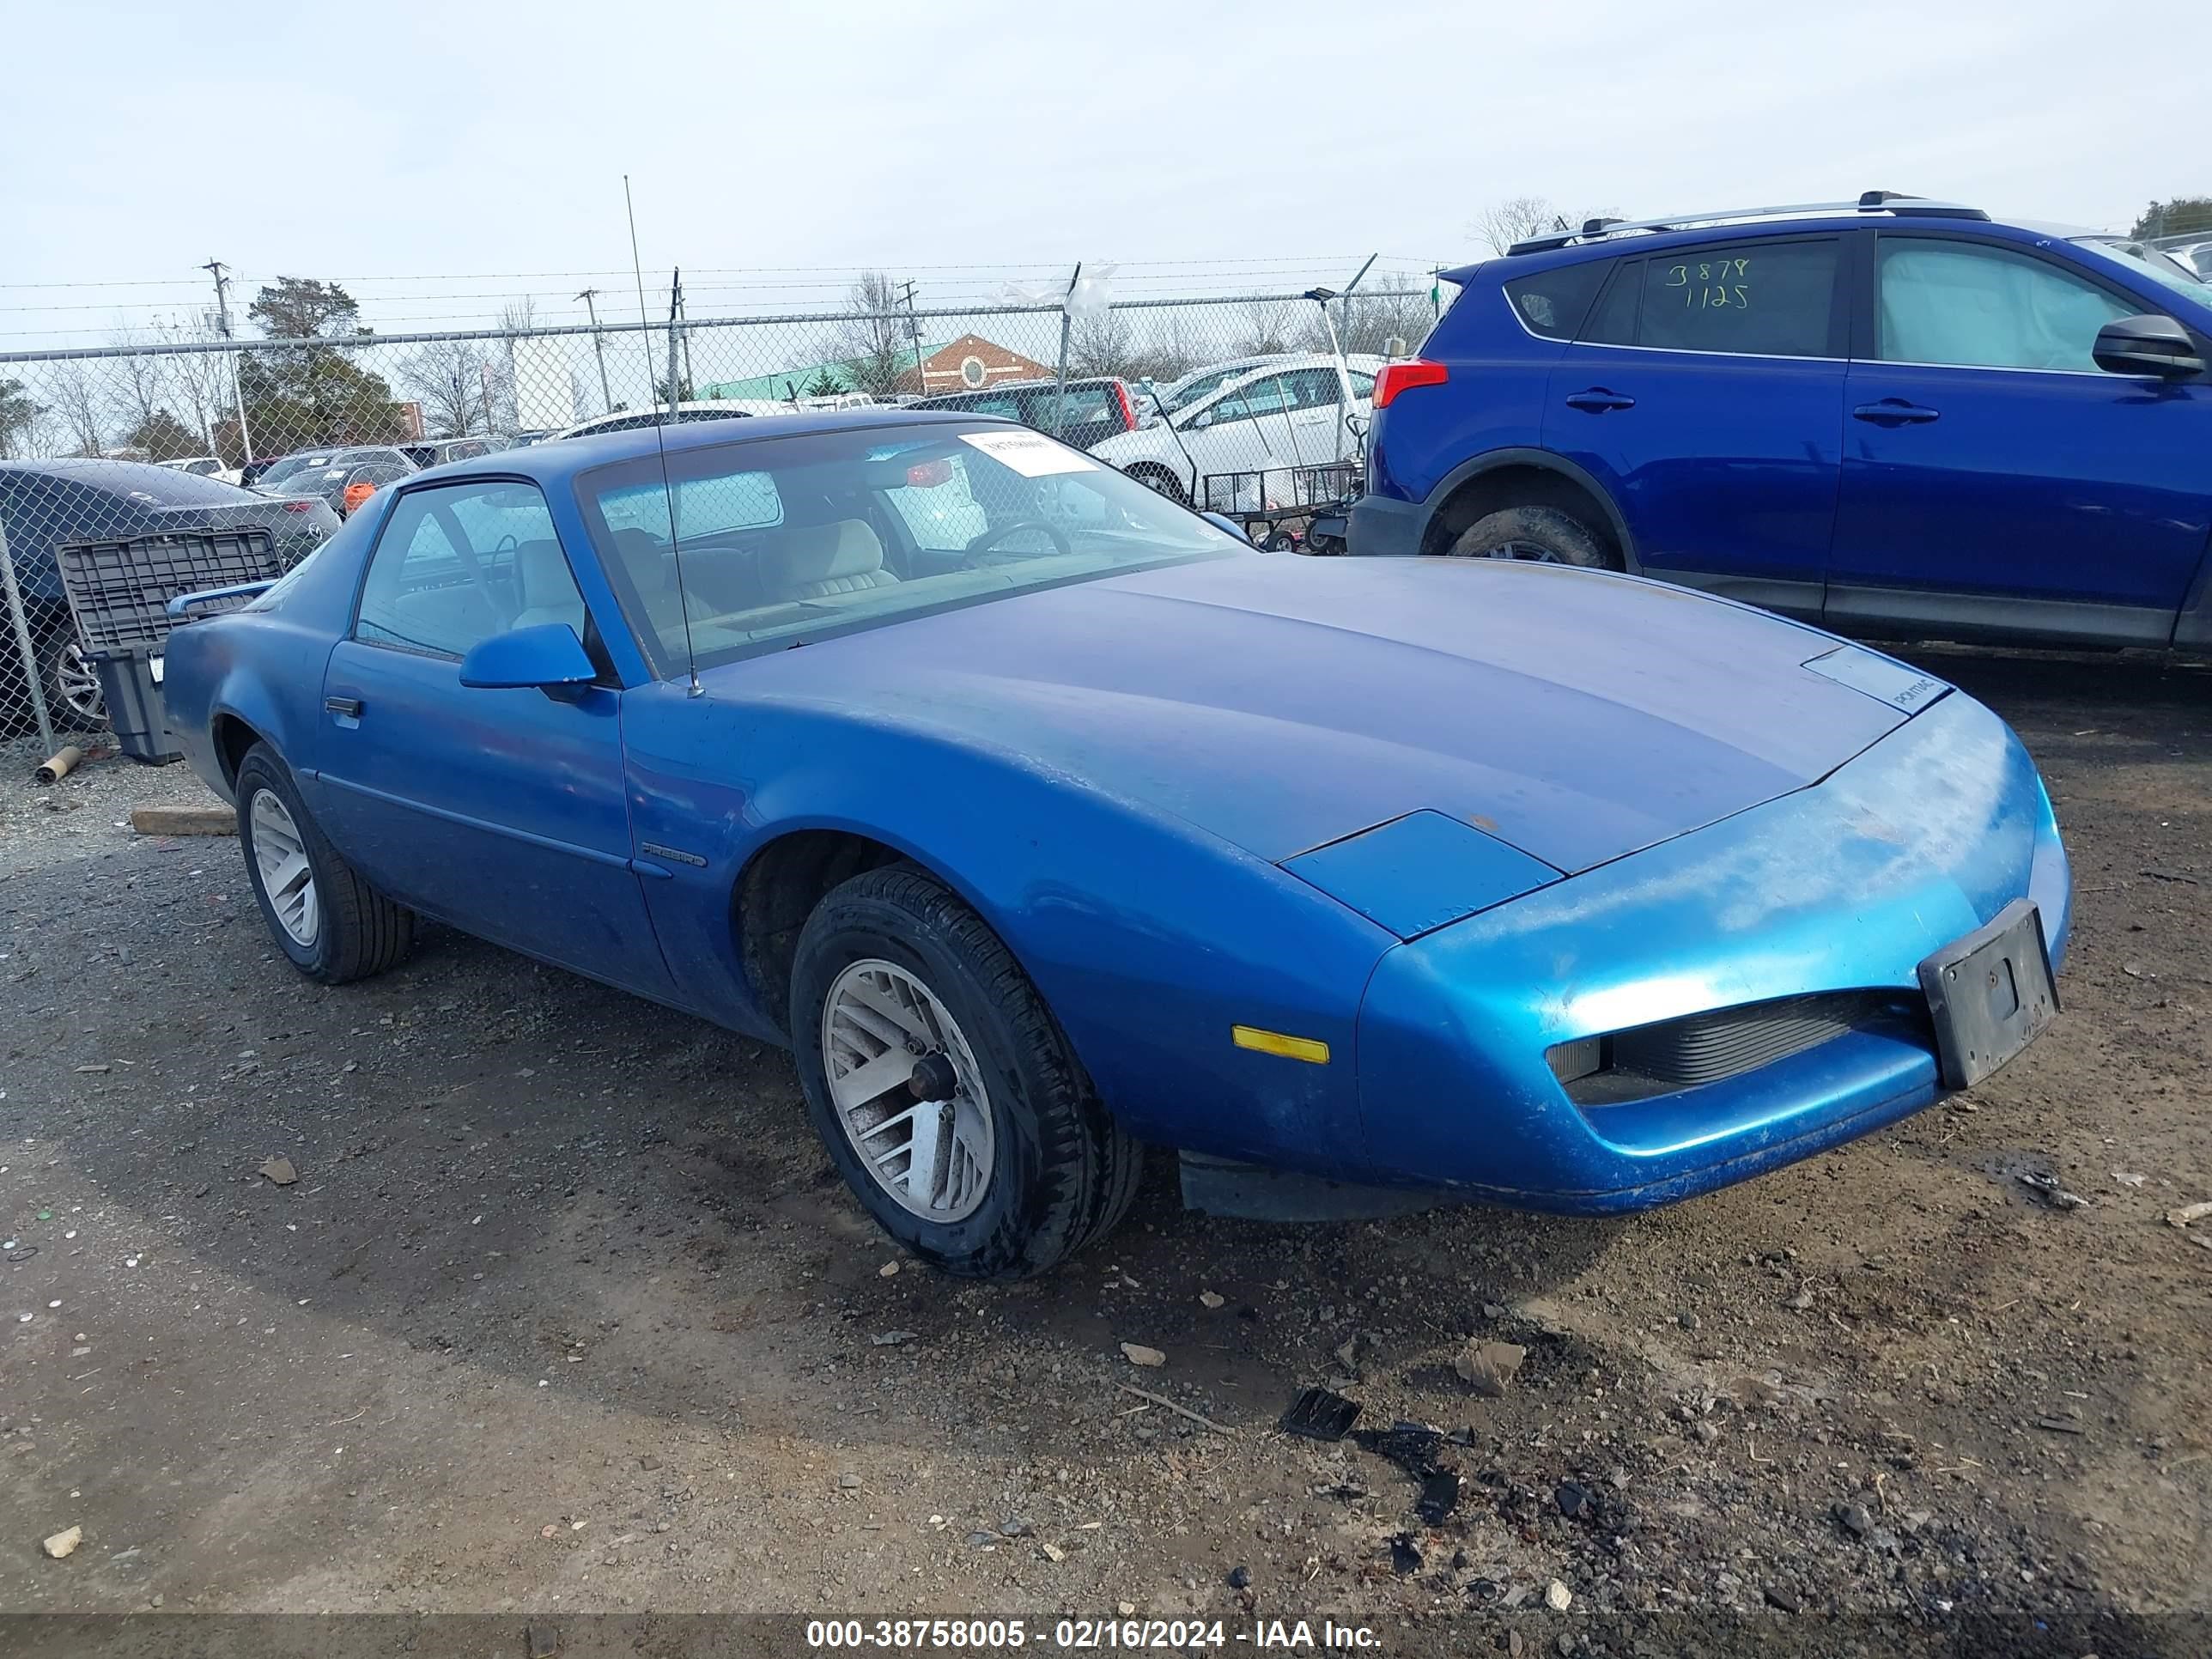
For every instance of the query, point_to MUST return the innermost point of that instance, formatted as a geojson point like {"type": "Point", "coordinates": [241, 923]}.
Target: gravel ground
{"type": "Point", "coordinates": [565, 1310]}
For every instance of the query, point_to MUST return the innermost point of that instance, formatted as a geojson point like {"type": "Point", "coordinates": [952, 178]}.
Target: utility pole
{"type": "Point", "coordinates": [217, 270]}
{"type": "Point", "coordinates": [684, 329]}
{"type": "Point", "coordinates": [599, 350]}
{"type": "Point", "coordinates": [675, 299]}
{"type": "Point", "coordinates": [913, 322]}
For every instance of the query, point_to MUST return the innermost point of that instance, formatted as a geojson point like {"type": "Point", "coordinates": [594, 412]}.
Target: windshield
{"type": "Point", "coordinates": [2149, 262]}
{"type": "Point", "coordinates": [1204, 384]}
{"type": "Point", "coordinates": [280, 471]}
{"type": "Point", "coordinates": [787, 540]}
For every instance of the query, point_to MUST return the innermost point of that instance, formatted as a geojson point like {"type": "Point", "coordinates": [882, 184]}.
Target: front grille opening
{"type": "Point", "coordinates": [1699, 1048]}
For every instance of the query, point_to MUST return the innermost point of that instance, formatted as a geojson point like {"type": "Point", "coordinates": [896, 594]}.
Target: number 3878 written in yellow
{"type": "Point", "coordinates": [1712, 284]}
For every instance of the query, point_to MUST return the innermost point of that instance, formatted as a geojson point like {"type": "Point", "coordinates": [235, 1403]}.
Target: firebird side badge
{"type": "Point", "coordinates": [1893, 683]}
{"type": "Point", "coordinates": [654, 849]}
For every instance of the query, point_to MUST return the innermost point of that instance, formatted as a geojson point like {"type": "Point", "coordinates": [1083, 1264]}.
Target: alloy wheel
{"type": "Point", "coordinates": [280, 860]}
{"type": "Point", "coordinates": [77, 683]}
{"type": "Point", "coordinates": [907, 1091]}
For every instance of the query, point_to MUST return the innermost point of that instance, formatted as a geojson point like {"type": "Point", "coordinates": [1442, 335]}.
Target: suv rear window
{"type": "Point", "coordinates": [1758, 298]}
{"type": "Point", "coordinates": [1552, 303]}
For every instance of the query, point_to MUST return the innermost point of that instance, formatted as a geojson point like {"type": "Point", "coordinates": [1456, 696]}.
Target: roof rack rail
{"type": "Point", "coordinates": [1895, 203]}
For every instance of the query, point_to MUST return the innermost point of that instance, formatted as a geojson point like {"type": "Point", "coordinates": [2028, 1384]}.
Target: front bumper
{"type": "Point", "coordinates": [1846, 885]}
{"type": "Point", "coordinates": [1382, 528]}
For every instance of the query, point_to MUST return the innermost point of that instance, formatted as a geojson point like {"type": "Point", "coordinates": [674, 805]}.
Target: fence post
{"type": "Point", "coordinates": [24, 648]}
{"type": "Point", "coordinates": [1060, 398]}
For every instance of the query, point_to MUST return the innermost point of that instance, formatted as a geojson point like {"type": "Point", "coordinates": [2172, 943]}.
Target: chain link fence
{"type": "Point", "coordinates": [1200, 397]}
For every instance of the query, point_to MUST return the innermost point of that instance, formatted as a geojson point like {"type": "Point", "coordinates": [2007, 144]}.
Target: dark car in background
{"type": "Point", "coordinates": [46, 503]}
{"type": "Point", "coordinates": [1096, 409]}
{"type": "Point", "coordinates": [342, 478]}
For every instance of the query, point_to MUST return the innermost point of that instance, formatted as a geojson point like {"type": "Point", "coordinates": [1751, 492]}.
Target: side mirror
{"type": "Point", "coordinates": [545, 659]}
{"type": "Point", "coordinates": [1223, 521]}
{"type": "Point", "coordinates": [2149, 345]}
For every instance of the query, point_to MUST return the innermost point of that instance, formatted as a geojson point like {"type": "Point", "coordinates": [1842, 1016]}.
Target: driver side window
{"type": "Point", "coordinates": [457, 564]}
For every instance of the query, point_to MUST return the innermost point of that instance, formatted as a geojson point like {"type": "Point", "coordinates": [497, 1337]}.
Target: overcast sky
{"type": "Point", "coordinates": [402, 141]}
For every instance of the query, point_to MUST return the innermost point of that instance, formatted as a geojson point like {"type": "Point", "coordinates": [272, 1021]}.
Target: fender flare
{"type": "Point", "coordinates": [1542, 460]}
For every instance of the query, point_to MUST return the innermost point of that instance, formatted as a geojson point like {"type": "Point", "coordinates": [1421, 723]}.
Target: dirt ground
{"type": "Point", "coordinates": [565, 1311]}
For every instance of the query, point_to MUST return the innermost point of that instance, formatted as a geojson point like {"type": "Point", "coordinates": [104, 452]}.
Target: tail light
{"type": "Point", "coordinates": [1404, 377]}
{"type": "Point", "coordinates": [299, 506]}
{"type": "Point", "coordinates": [1128, 409]}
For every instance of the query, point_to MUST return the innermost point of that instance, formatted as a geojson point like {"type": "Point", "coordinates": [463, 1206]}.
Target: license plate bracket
{"type": "Point", "coordinates": [1990, 994]}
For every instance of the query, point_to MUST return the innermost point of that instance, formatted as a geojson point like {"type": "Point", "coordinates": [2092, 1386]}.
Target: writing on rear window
{"type": "Point", "coordinates": [1712, 284]}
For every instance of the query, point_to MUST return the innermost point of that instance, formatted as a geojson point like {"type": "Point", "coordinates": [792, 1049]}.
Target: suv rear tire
{"type": "Point", "coordinates": [1542, 535]}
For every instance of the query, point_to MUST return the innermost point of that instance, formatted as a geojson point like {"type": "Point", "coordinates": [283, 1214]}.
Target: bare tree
{"type": "Point", "coordinates": [516, 316]}
{"type": "Point", "coordinates": [875, 344]}
{"type": "Point", "coordinates": [77, 401]}
{"type": "Point", "coordinates": [1523, 216]}
{"type": "Point", "coordinates": [201, 379]}
{"type": "Point", "coordinates": [139, 379]}
{"type": "Point", "coordinates": [1393, 306]}
{"type": "Point", "coordinates": [1270, 326]}
{"type": "Point", "coordinates": [448, 376]}
{"type": "Point", "coordinates": [1516, 220]}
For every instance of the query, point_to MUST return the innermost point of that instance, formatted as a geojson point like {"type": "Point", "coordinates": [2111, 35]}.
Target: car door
{"type": "Point", "coordinates": [501, 812]}
{"type": "Point", "coordinates": [1242, 431]}
{"type": "Point", "coordinates": [1997, 480]}
{"type": "Point", "coordinates": [1703, 392]}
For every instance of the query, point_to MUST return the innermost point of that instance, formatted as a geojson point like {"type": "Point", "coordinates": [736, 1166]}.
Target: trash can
{"type": "Point", "coordinates": [130, 686]}
{"type": "Point", "coordinates": [119, 592]}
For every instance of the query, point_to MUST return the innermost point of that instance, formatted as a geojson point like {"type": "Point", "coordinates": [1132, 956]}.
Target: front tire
{"type": "Point", "coordinates": [333, 926]}
{"type": "Point", "coordinates": [1541, 535]}
{"type": "Point", "coordinates": [73, 699]}
{"type": "Point", "coordinates": [945, 1091]}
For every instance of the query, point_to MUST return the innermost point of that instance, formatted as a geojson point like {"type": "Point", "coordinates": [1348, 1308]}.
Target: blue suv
{"type": "Point", "coordinates": [1895, 416]}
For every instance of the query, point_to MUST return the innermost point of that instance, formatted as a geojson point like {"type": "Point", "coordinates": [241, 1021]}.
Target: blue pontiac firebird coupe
{"type": "Point", "coordinates": [1042, 819]}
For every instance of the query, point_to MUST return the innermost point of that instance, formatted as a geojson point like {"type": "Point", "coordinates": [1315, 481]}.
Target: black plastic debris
{"type": "Point", "coordinates": [1576, 1501]}
{"type": "Point", "coordinates": [1239, 1578]}
{"type": "Point", "coordinates": [1405, 1555]}
{"type": "Point", "coordinates": [1439, 1497]}
{"type": "Point", "coordinates": [1414, 1447]}
{"type": "Point", "coordinates": [1320, 1414]}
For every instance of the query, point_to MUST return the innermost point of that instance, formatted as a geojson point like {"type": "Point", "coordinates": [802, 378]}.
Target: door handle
{"type": "Point", "coordinates": [1895, 411]}
{"type": "Point", "coordinates": [1597, 400]}
{"type": "Point", "coordinates": [349, 707]}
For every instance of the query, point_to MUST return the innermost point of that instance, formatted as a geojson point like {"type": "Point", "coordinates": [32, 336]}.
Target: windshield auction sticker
{"type": "Point", "coordinates": [1029, 453]}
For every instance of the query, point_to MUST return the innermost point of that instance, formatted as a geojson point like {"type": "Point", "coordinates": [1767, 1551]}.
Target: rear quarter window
{"type": "Point", "coordinates": [1554, 302]}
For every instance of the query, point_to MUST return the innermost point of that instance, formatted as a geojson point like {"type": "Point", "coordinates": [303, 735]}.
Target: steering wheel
{"type": "Point", "coordinates": [991, 538]}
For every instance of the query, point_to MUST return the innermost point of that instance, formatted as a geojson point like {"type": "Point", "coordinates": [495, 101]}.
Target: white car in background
{"type": "Point", "coordinates": [1287, 413]}
{"type": "Point", "coordinates": [1180, 394]}
{"type": "Point", "coordinates": [203, 466]}
{"type": "Point", "coordinates": [705, 409]}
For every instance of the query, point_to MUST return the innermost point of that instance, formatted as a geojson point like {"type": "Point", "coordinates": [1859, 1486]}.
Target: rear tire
{"type": "Point", "coordinates": [1540, 534]}
{"type": "Point", "coordinates": [333, 926]}
{"type": "Point", "coordinates": [1165, 483]}
{"type": "Point", "coordinates": [1025, 1165]}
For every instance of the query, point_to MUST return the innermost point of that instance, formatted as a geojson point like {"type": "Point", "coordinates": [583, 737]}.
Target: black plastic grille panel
{"type": "Point", "coordinates": [1725, 1042]}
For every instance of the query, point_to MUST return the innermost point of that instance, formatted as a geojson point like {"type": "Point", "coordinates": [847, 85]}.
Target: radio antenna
{"type": "Point", "coordinates": [660, 440]}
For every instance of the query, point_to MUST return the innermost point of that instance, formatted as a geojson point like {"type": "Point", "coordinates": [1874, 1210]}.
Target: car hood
{"type": "Point", "coordinates": [1283, 703]}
